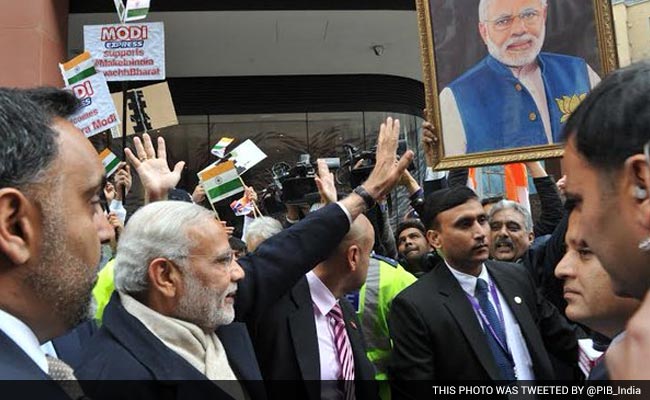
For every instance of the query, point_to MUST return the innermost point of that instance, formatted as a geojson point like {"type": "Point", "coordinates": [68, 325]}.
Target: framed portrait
{"type": "Point", "coordinates": [502, 77]}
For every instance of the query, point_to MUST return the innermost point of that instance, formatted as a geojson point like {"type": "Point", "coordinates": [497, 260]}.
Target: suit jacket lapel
{"type": "Point", "coordinates": [303, 334]}
{"type": "Point", "coordinates": [509, 290]}
{"type": "Point", "coordinates": [455, 299]}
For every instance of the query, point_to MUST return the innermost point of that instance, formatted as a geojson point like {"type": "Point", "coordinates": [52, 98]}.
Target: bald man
{"type": "Point", "coordinates": [297, 338]}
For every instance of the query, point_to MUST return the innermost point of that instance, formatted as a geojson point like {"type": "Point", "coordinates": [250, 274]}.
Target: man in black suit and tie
{"type": "Point", "coordinates": [51, 228]}
{"type": "Point", "coordinates": [471, 318]}
{"type": "Point", "coordinates": [297, 338]}
{"type": "Point", "coordinates": [176, 282]}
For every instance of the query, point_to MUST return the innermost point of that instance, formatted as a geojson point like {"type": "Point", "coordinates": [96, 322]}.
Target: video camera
{"type": "Point", "coordinates": [297, 183]}
{"type": "Point", "coordinates": [360, 163]}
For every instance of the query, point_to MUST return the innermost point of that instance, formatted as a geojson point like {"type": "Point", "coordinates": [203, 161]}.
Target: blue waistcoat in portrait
{"type": "Point", "coordinates": [498, 112]}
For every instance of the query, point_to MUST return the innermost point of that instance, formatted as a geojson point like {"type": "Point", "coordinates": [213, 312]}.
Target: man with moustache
{"type": "Point", "coordinates": [51, 228]}
{"type": "Point", "coordinates": [516, 95]}
{"type": "Point", "coordinates": [471, 318]}
{"type": "Point", "coordinates": [412, 246]}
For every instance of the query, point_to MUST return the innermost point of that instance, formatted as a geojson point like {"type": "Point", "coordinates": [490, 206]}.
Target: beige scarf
{"type": "Point", "coordinates": [203, 351]}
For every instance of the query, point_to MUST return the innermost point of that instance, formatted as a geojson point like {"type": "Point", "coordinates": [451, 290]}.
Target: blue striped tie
{"type": "Point", "coordinates": [506, 366]}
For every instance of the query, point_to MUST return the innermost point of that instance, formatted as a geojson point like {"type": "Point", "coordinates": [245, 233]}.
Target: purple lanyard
{"type": "Point", "coordinates": [487, 323]}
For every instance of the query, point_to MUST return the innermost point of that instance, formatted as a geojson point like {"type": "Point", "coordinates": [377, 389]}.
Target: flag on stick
{"type": "Point", "coordinates": [219, 149]}
{"type": "Point", "coordinates": [78, 69]}
{"type": "Point", "coordinates": [135, 10]}
{"type": "Point", "coordinates": [220, 181]}
{"type": "Point", "coordinates": [109, 160]}
{"type": "Point", "coordinates": [516, 183]}
{"type": "Point", "coordinates": [243, 206]}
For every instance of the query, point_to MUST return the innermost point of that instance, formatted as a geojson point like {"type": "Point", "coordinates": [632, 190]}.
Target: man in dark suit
{"type": "Point", "coordinates": [589, 293]}
{"type": "Point", "coordinates": [295, 340]}
{"type": "Point", "coordinates": [51, 228]}
{"type": "Point", "coordinates": [471, 318]}
{"type": "Point", "coordinates": [176, 282]}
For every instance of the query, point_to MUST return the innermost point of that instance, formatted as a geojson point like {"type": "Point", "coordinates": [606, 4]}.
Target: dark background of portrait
{"type": "Point", "coordinates": [570, 29]}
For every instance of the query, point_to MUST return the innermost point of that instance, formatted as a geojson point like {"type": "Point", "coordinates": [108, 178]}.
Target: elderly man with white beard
{"type": "Point", "coordinates": [169, 324]}
{"type": "Point", "coordinates": [517, 95]}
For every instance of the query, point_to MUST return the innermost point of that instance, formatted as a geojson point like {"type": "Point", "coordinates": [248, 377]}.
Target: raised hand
{"type": "Point", "coordinates": [387, 172]}
{"type": "Point", "coordinates": [250, 193]}
{"type": "Point", "coordinates": [155, 175]}
{"type": "Point", "coordinates": [198, 195]}
{"type": "Point", "coordinates": [109, 192]}
{"type": "Point", "coordinates": [123, 180]}
{"type": "Point", "coordinates": [325, 183]}
{"type": "Point", "coordinates": [429, 142]}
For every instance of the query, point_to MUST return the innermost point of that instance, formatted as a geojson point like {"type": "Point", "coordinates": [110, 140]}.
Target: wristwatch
{"type": "Point", "coordinates": [367, 198]}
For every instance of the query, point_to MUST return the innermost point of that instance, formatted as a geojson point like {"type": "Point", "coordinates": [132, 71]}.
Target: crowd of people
{"type": "Point", "coordinates": [463, 290]}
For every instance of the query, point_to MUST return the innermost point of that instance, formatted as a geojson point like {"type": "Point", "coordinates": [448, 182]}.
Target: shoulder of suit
{"type": "Point", "coordinates": [508, 267]}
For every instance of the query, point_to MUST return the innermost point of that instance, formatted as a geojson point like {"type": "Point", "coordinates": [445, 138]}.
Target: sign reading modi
{"type": "Point", "coordinates": [130, 52]}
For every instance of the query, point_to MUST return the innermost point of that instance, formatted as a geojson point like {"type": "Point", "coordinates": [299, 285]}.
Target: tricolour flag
{"type": "Point", "coordinates": [136, 10]}
{"type": "Point", "coordinates": [516, 183]}
{"type": "Point", "coordinates": [109, 160]}
{"type": "Point", "coordinates": [78, 69]}
{"type": "Point", "coordinates": [243, 206]}
{"type": "Point", "coordinates": [219, 149]}
{"type": "Point", "coordinates": [220, 181]}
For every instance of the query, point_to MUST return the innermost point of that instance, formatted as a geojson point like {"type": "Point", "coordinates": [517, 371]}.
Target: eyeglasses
{"type": "Point", "coordinates": [225, 261]}
{"type": "Point", "coordinates": [528, 17]}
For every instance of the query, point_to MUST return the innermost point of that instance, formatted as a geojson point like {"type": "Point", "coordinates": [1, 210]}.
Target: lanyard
{"type": "Point", "coordinates": [486, 322]}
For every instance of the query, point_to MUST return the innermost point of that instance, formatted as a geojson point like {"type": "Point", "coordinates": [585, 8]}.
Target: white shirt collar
{"type": "Point", "coordinates": [24, 337]}
{"type": "Point", "coordinates": [321, 296]}
{"type": "Point", "coordinates": [468, 282]}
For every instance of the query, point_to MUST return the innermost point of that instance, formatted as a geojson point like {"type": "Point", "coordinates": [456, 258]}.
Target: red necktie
{"type": "Point", "coordinates": [344, 350]}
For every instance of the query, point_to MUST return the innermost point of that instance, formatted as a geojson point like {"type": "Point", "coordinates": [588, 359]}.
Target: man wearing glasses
{"type": "Point", "coordinates": [177, 314]}
{"type": "Point", "coordinates": [517, 95]}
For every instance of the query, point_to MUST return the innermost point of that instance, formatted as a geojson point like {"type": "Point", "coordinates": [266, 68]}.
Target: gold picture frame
{"type": "Point", "coordinates": [606, 55]}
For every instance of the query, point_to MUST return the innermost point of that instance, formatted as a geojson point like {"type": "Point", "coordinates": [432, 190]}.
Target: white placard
{"type": "Point", "coordinates": [130, 52]}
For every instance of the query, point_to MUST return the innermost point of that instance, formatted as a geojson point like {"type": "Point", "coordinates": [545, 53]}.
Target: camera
{"type": "Point", "coordinates": [360, 163]}
{"type": "Point", "coordinates": [297, 183]}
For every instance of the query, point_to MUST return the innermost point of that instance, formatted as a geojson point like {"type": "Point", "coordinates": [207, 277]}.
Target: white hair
{"type": "Point", "coordinates": [262, 228]}
{"type": "Point", "coordinates": [156, 230]}
{"type": "Point", "coordinates": [509, 204]}
{"type": "Point", "coordinates": [483, 6]}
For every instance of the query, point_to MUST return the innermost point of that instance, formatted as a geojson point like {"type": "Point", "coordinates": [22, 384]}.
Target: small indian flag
{"type": "Point", "coordinates": [243, 206]}
{"type": "Point", "coordinates": [136, 9]}
{"type": "Point", "coordinates": [78, 69]}
{"type": "Point", "coordinates": [109, 160]}
{"type": "Point", "coordinates": [220, 181]}
{"type": "Point", "coordinates": [219, 149]}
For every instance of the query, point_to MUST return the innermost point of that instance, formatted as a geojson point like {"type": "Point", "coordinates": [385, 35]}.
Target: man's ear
{"type": "Point", "coordinates": [433, 237]}
{"type": "Point", "coordinates": [17, 226]}
{"type": "Point", "coordinates": [635, 186]}
{"type": "Point", "coordinates": [353, 257]}
{"type": "Point", "coordinates": [482, 30]}
{"type": "Point", "coordinates": [531, 237]}
{"type": "Point", "coordinates": [164, 277]}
